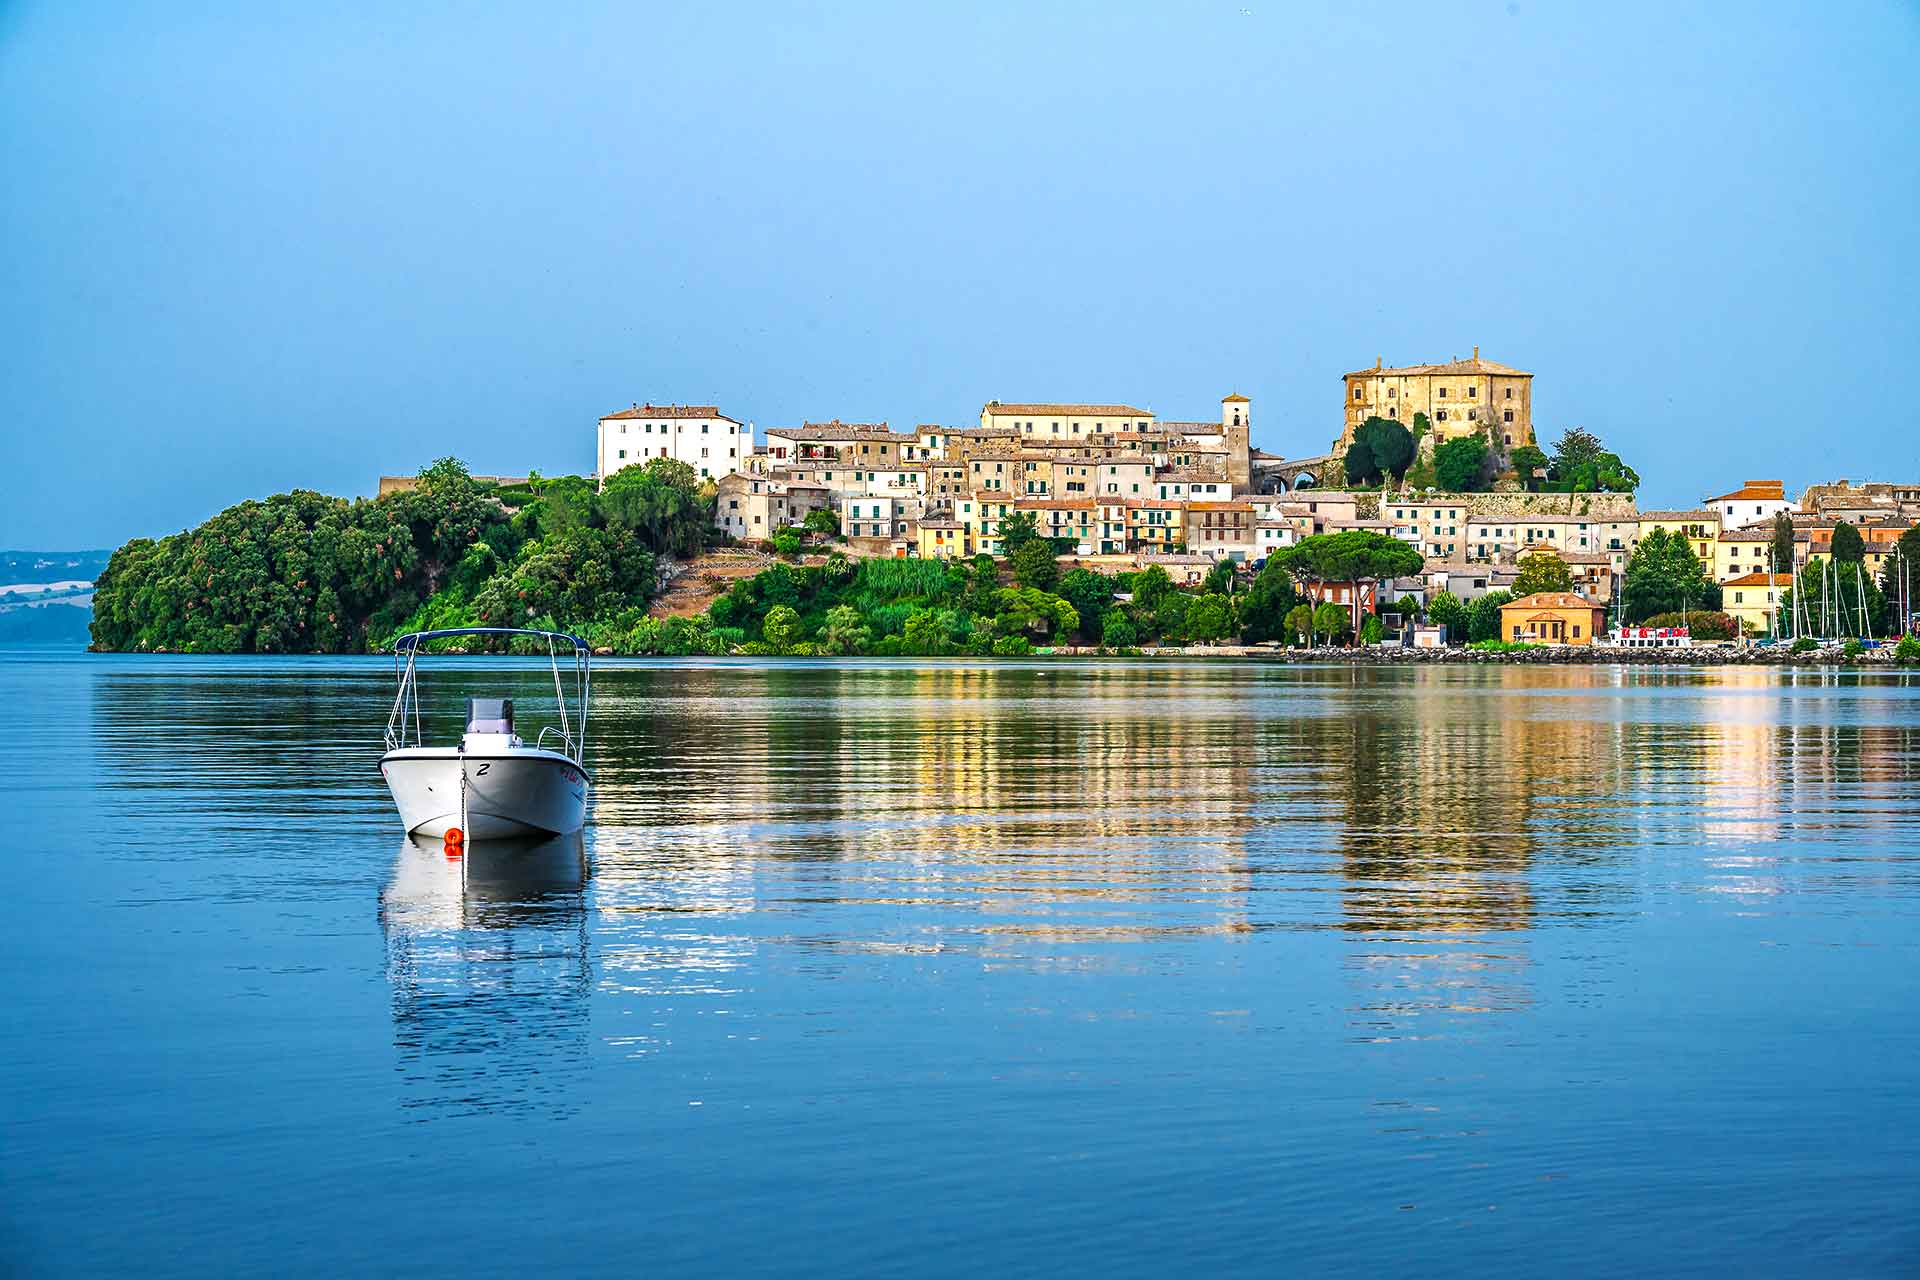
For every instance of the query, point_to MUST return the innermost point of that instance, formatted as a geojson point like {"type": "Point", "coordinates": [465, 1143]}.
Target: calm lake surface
{"type": "Point", "coordinates": [959, 969]}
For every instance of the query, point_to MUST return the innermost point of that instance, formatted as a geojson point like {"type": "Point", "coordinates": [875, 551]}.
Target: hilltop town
{"type": "Point", "coordinates": [1441, 456]}
{"type": "Point", "coordinates": [1438, 516]}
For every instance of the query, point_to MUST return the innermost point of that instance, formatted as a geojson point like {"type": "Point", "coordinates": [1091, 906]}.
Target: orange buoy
{"type": "Point", "coordinates": [454, 842]}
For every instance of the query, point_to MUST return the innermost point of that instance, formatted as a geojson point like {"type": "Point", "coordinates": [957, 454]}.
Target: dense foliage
{"type": "Point", "coordinates": [306, 573]}
{"type": "Point", "coordinates": [1582, 464]}
{"type": "Point", "coordinates": [1700, 624]}
{"type": "Point", "coordinates": [1460, 466]}
{"type": "Point", "coordinates": [1664, 576]}
{"type": "Point", "coordinates": [1381, 447]}
{"type": "Point", "coordinates": [1542, 569]}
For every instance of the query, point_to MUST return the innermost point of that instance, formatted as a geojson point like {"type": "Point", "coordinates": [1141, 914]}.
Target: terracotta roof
{"type": "Point", "coordinates": [1755, 491]}
{"type": "Point", "coordinates": [1054, 504]}
{"type": "Point", "coordinates": [1220, 506]}
{"type": "Point", "coordinates": [997, 409]}
{"type": "Point", "coordinates": [1550, 600]}
{"type": "Point", "coordinates": [1645, 516]}
{"type": "Point", "coordinates": [1760, 580]}
{"type": "Point", "coordinates": [669, 411]}
{"type": "Point", "coordinates": [1473, 365]}
{"type": "Point", "coordinates": [1235, 398]}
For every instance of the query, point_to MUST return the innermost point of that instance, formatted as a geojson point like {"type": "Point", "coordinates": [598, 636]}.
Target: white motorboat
{"type": "Point", "coordinates": [492, 785]}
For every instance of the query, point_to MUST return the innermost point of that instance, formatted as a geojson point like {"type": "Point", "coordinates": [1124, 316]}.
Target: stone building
{"type": "Point", "coordinates": [1459, 398]}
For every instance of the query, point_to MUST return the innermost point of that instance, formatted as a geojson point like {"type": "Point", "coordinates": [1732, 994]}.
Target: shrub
{"type": "Point", "coordinates": [1805, 644]}
{"type": "Point", "coordinates": [1012, 647]}
{"type": "Point", "coordinates": [1908, 650]}
{"type": "Point", "coordinates": [1370, 630]}
{"type": "Point", "coordinates": [1852, 649]}
{"type": "Point", "coordinates": [1701, 626]}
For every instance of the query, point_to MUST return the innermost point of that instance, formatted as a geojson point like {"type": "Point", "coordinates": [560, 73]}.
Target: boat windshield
{"type": "Point", "coordinates": [489, 715]}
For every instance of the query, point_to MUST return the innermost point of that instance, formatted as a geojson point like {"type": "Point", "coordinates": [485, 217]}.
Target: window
{"type": "Point", "coordinates": [1441, 415]}
{"type": "Point", "coordinates": [1443, 393]}
{"type": "Point", "coordinates": [623, 453]}
{"type": "Point", "coordinates": [1356, 393]}
{"type": "Point", "coordinates": [1392, 392]}
{"type": "Point", "coordinates": [1507, 416]}
{"type": "Point", "coordinates": [1473, 393]}
{"type": "Point", "coordinates": [703, 428]}
{"type": "Point", "coordinates": [1473, 414]}
{"type": "Point", "coordinates": [1509, 393]}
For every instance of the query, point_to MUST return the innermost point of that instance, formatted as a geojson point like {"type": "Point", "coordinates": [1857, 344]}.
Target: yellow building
{"type": "Point", "coordinates": [1153, 525]}
{"type": "Point", "coordinates": [1459, 398]}
{"type": "Point", "coordinates": [1700, 528]}
{"type": "Point", "coordinates": [1754, 600]}
{"type": "Point", "coordinates": [1063, 421]}
{"type": "Point", "coordinates": [1552, 617]}
{"type": "Point", "coordinates": [941, 538]}
{"type": "Point", "coordinates": [981, 513]}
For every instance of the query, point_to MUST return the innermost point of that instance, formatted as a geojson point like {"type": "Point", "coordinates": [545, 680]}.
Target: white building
{"type": "Point", "coordinates": [699, 435]}
{"type": "Point", "coordinates": [1753, 502]}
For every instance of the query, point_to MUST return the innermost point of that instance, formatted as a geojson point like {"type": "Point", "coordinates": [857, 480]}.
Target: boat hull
{"type": "Point", "coordinates": [512, 793]}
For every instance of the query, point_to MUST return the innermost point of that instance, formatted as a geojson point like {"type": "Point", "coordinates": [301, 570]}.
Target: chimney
{"type": "Point", "coordinates": [1476, 353]}
{"type": "Point", "coordinates": [1378, 361]}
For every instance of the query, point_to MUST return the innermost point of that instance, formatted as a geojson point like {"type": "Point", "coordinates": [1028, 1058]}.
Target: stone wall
{"type": "Point", "coordinates": [1516, 506]}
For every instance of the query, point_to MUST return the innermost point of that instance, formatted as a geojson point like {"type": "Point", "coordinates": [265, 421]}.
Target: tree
{"type": "Point", "coordinates": [1210, 618]}
{"type": "Point", "coordinates": [1300, 623]}
{"type": "Point", "coordinates": [1034, 565]}
{"type": "Point", "coordinates": [1330, 620]}
{"type": "Point", "coordinates": [1900, 575]}
{"type": "Point", "coordinates": [1542, 569]}
{"type": "Point", "coordinates": [1151, 588]}
{"type": "Point", "coordinates": [1483, 615]}
{"type": "Point", "coordinates": [1529, 463]}
{"type": "Point", "coordinates": [1780, 555]}
{"type": "Point", "coordinates": [1446, 610]}
{"type": "Point", "coordinates": [1027, 609]}
{"type": "Point", "coordinates": [786, 543]}
{"type": "Point", "coordinates": [1352, 555]}
{"type": "Point", "coordinates": [1574, 449]}
{"type": "Point", "coordinates": [1360, 467]}
{"type": "Point", "coordinates": [1458, 464]}
{"type": "Point", "coordinates": [1664, 576]}
{"type": "Point", "coordinates": [1219, 580]}
{"type": "Point", "coordinates": [1116, 630]}
{"type": "Point", "coordinates": [782, 627]}
{"type": "Point", "coordinates": [1016, 531]}
{"type": "Point", "coordinates": [1848, 546]}
{"type": "Point", "coordinates": [1381, 447]}
{"type": "Point", "coordinates": [1264, 608]}
{"type": "Point", "coordinates": [1089, 593]}
{"type": "Point", "coordinates": [820, 520]}
{"type": "Point", "coordinates": [982, 584]}
{"type": "Point", "coordinates": [844, 631]}
{"type": "Point", "coordinates": [1371, 630]}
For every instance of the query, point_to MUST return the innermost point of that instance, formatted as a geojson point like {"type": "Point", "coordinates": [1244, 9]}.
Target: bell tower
{"type": "Point", "coordinates": [1236, 424]}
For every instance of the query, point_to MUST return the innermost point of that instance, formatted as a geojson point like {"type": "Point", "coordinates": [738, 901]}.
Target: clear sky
{"type": "Point", "coordinates": [257, 246]}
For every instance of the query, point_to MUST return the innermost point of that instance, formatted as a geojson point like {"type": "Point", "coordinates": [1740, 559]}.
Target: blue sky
{"type": "Point", "coordinates": [260, 246]}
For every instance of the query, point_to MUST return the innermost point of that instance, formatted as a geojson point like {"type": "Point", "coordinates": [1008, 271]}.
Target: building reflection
{"type": "Point", "coordinates": [487, 958]}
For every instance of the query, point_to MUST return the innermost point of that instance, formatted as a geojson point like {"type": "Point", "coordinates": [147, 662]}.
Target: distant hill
{"type": "Point", "coordinates": [57, 625]}
{"type": "Point", "coordinates": [50, 566]}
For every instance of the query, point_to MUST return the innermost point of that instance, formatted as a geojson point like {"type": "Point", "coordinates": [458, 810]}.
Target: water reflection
{"type": "Point", "coordinates": [487, 957]}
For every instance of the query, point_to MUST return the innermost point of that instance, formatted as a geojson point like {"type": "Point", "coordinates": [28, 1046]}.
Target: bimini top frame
{"type": "Point", "coordinates": [403, 723]}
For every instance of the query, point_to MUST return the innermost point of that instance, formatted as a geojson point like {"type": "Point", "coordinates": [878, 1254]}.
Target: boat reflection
{"type": "Point", "coordinates": [487, 957]}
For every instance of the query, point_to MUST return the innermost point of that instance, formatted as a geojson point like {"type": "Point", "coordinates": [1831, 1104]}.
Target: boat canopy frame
{"type": "Point", "coordinates": [404, 726]}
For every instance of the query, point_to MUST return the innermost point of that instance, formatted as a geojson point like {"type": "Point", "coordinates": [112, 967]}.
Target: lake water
{"type": "Point", "coordinates": [972, 969]}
